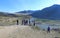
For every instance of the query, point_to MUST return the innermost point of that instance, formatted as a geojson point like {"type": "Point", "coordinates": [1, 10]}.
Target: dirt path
{"type": "Point", "coordinates": [19, 31]}
{"type": "Point", "coordinates": [6, 30]}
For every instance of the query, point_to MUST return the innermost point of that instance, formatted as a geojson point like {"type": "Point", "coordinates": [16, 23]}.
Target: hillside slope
{"type": "Point", "coordinates": [52, 12]}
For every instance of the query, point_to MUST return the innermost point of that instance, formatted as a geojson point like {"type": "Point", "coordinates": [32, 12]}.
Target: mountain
{"type": "Point", "coordinates": [52, 12]}
{"type": "Point", "coordinates": [16, 14]}
{"type": "Point", "coordinates": [25, 12]}
{"type": "Point", "coordinates": [7, 14]}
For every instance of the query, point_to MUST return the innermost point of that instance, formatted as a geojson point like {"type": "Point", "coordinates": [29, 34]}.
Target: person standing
{"type": "Point", "coordinates": [17, 22]}
{"type": "Point", "coordinates": [34, 23]}
{"type": "Point", "coordinates": [48, 29]}
{"type": "Point", "coordinates": [22, 22]}
{"type": "Point", "coordinates": [29, 23]}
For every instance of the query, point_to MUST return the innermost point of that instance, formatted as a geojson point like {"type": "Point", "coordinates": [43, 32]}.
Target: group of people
{"type": "Point", "coordinates": [25, 22]}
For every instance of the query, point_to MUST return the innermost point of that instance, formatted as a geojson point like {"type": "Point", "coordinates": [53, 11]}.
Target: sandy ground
{"type": "Point", "coordinates": [21, 31]}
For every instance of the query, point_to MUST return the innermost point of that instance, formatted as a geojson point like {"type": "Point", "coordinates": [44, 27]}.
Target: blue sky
{"type": "Point", "coordinates": [19, 5]}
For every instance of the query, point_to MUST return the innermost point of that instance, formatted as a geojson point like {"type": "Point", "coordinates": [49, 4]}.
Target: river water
{"type": "Point", "coordinates": [45, 26]}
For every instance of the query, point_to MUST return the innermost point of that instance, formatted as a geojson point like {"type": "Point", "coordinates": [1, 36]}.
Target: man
{"type": "Point", "coordinates": [34, 23]}
{"type": "Point", "coordinates": [48, 29]}
{"type": "Point", "coordinates": [17, 22]}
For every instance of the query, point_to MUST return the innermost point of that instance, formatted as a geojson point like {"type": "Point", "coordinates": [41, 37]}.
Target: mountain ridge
{"type": "Point", "coordinates": [52, 12]}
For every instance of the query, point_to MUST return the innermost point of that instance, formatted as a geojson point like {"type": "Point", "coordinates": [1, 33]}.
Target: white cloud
{"type": "Point", "coordinates": [57, 2]}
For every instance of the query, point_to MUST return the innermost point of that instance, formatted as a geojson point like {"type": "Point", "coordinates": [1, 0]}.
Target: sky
{"type": "Point", "coordinates": [20, 5]}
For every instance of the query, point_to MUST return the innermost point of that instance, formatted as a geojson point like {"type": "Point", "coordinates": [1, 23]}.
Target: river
{"type": "Point", "coordinates": [45, 26]}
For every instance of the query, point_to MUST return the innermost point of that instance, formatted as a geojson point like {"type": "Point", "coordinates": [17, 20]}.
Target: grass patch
{"type": "Point", "coordinates": [36, 27]}
{"type": "Point", "coordinates": [1, 27]}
